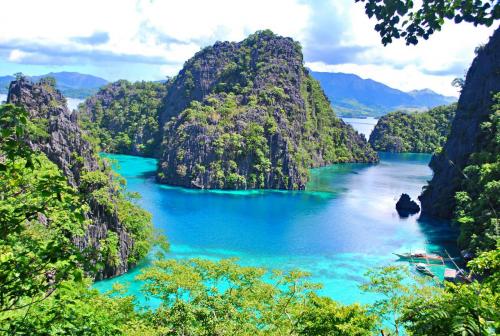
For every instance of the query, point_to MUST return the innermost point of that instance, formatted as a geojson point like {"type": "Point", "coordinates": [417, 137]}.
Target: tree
{"type": "Point", "coordinates": [201, 297]}
{"type": "Point", "coordinates": [19, 75]}
{"type": "Point", "coordinates": [461, 309]}
{"type": "Point", "coordinates": [400, 19]}
{"type": "Point", "coordinates": [396, 288]}
{"type": "Point", "coordinates": [39, 214]}
{"type": "Point", "coordinates": [48, 80]}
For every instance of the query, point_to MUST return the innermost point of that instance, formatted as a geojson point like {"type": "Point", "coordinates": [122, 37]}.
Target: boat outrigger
{"type": "Point", "coordinates": [421, 255]}
{"type": "Point", "coordinates": [424, 269]}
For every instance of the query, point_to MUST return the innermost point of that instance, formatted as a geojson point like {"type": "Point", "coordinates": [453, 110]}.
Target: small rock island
{"type": "Point", "coordinates": [406, 206]}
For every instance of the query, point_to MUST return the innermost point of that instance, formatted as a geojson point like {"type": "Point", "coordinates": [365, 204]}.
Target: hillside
{"type": "Point", "coordinates": [352, 95]}
{"type": "Point", "coordinates": [248, 115]}
{"type": "Point", "coordinates": [123, 117]}
{"type": "Point", "coordinates": [417, 132]}
{"type": "Point", "coordinates": [465, 184]}
{"type": "Point", "coordinates": [71, 84]}
{"type": "Point", "coordinates": [116, 233]}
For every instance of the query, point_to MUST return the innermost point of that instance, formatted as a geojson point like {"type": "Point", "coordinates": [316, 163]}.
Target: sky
{"type": "Point", "coordinates": [149, 40]}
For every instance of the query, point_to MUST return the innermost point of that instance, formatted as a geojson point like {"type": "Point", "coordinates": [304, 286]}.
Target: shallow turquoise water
{"type": "Point", "coordinates": [342, 225]}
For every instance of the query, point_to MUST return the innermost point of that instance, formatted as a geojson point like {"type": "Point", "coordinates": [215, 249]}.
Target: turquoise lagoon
{"type": "Point", "coordinates": [342, 225]}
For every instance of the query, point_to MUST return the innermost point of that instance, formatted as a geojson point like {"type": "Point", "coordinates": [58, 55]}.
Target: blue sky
{"type": "Point", "coordinates": [152, 39]}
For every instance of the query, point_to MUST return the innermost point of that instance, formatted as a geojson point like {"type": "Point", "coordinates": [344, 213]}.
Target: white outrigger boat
{"type": "Point", "coordinates": [421, 255]}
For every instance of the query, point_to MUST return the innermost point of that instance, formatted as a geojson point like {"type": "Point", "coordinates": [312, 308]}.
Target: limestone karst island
{"type": "Point", "coordinates": [219, 168]}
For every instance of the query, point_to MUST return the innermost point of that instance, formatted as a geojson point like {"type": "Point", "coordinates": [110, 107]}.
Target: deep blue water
{"type": "Point", "coordinates": [342, 225]}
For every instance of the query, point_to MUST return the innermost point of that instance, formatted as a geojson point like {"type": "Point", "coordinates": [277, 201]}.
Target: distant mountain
{"type": "Point", "coordinates": [4, 83]}
{"type": "Point", "coordinates": [71, 84]}
{"type": "Point", "coordinates": [352, 95]}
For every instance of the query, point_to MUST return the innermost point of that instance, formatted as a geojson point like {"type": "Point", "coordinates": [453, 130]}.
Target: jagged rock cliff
{"type": "Point", "coordinates": [65, 145]}
{"type": "Point", "coordinates": [248, 115]}
{"type": "Point", "coordinates": [474, 108]}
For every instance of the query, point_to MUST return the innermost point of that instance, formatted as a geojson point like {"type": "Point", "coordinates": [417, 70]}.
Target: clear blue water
{"type": "Point", "coordinates": [342, 225]}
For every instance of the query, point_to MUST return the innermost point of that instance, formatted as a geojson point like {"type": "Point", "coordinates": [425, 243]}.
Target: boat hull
{"type": "Point", "coordinates": [428, 259]}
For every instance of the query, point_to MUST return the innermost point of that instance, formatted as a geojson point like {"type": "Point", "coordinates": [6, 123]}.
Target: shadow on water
{"type": "Point", "coordinates": [441, 234]}
{"type": "Point", "coordinates": [148, 174]}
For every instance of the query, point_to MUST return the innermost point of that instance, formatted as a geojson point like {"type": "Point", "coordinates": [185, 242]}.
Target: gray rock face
{"type": "Point", "coordinates": [474, 108]}
{"type": "Point", "coordinates": [64, 146]}
{"type": "Point", "coordinates": [406, 206]}
{"type": "Point", "coordinates": [236, 86]}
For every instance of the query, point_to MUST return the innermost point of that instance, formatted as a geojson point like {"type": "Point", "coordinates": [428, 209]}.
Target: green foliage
{"type": "Point", "coordinates": [461, 309]}
{"type": "Point", "coordinates": [108, 191]}
{"type": "Point", "coordinates": [123, 117]}
{"type": "Point", "coordinates": [477, 203]}
{"type": "Point", "coordinates": [400, 19]}
{"type": "Point", "coordinates": [422, 309]}
{"type": "Point", "coordinates": [77, 310]}
{"type": "Point", "coordinates": [323, 316]}
{"type": "Point", "coordinates": [39, 215]}
{"type": "Point", "coordinates": [137, 221]}
{"type": "Point", "coordinates": [48, 81]}
{"type": "Point", "coordinates": [391, 283]}
{"type": "Point", "coordinates": [202, 297]}
{"type": "Point", "coordinates": [418, 132]}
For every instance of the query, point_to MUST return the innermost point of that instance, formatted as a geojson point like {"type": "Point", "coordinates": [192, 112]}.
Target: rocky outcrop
{"type": "Point", "coordinates": [65, 145]}
{"type": "Point", "coordinates": [406, 206]}
{"type": "Point", "coordinates": [474, 108]}
{"type": "Point", "coordinates": [248, 115]}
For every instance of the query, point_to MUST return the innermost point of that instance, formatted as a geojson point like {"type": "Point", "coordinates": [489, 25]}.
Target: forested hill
{"type": "Point", "coordinates": [466, 177]}
{"type": "Point", "coordinates": [71, 84]}
{"type": "Point", "coordinates": [352, 95]}
{"type": "Point", "coordinates": [417, 132]}
{"type": "Point", "coordinates": [123, 117]}
{"type": "Point", "coordinates": [248, 115]}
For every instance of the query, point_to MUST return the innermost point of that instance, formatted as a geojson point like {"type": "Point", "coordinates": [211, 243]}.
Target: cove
{"type": "Point", "coordinates": [342, 225]}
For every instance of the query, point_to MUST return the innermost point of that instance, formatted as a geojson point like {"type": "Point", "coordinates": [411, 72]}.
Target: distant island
{"type": "Point", "coordinates": [417, 132]}
{"type": "Point", "coordinates": [71, 84]}
{"type": "Point", "coordinates": [353, 96]}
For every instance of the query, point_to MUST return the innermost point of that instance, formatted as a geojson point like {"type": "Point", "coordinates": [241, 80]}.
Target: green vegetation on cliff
{"type": "Point", "coordinates": [418, 132]}
{"type": "Point", "coordinates": [44, 292]}
{"type": "Point", "coordinates": [118, 233]}
{"type": "Point", "coordinates": [40, 208]}
{"type": "Point", "coordinates": [248, 115]}
{"type": "Point", "coordinates": [478, 202]}
{"type": "Point", "coordinates": [123, 117]}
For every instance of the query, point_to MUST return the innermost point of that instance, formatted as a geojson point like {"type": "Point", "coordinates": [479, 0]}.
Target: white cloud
{"type": "Point", "coordinates": [430, 64]}
{"type": "Point", "coordinates": [138, 27]}
{"type": "Point", "coordinates": [17, 55]}
{"type": "Point", "coordinates": [166, 33]}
